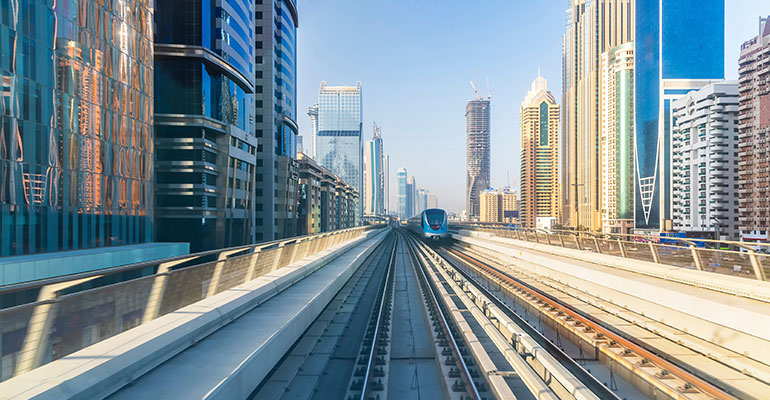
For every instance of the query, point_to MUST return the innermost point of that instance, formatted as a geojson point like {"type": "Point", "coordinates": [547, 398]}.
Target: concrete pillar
{"type": "Point", "coordinates": [217, 274]}
{"type": "Point", "coordinates": [251, 273]}
{"type": "Point", "coordinates": [756, 264]}
{"type": "Point", "coordinates": [622, 249]}
{"type": "Point", "coordinates": [696, 258]}
{"type": "Point", "coordinates": [654, 252]}
{"type": "Point", "coordinates": [152, 309]}
{"type": "Point", "coordinates": [36, 345]}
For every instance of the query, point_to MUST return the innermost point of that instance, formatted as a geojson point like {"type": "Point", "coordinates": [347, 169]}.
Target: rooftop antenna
{"type": "Point", "coordinates": [489, 93]}
{"type": "Point", "coordinates": [376, 130]}
{"type": "Point", "coordinates": [508, 177]}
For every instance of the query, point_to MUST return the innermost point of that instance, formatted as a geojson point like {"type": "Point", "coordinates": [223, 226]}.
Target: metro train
{"type": "Point", "coordinates": [429, 224]}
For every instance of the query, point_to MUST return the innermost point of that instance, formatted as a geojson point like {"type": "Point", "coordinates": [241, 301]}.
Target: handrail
{"type": "Point", "coordinates": [151, 263]}
{"type": "Point", "coordinates": [631, 237]}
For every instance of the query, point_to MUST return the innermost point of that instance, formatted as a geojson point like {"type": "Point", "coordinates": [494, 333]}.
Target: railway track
{"type": "Point", "coordinates": [422, 322]}
{"type": "Point", "coordinates": [650, 372]}
{"type": "Point", "coordinates": [385, 335]}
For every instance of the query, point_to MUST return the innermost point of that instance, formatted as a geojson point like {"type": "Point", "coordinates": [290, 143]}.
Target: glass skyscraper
{"type": "Point", "coordinates": [76, 116]}
{"type": "Point", "coordinates": [275, 119]}
{"type": "Point", "coordinates": [339, 144]}
{"type": "Point", "coordinates": [374, 188]}
{"type": "Point", "coordinates": [679, 48]}
{"type": "Point", "coordinates": [401, 195]}
{"type": "Point", "coordinates": [206, 149]}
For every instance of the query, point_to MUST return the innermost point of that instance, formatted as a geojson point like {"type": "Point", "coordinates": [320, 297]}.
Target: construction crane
{"type": "Point", "coordinates": [475, 91]}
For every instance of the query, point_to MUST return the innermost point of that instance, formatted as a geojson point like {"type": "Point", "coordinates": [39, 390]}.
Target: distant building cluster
{"type": "Point", "coordinates": [412, 200]}
{"type": "Point", "coordinates": [649, 137]}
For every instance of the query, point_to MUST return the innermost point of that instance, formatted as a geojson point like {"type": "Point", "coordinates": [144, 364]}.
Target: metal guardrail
{"type": "Point", "coordinates": [743, 259]}
{"type": "Point", "coordinates": [70, 315]}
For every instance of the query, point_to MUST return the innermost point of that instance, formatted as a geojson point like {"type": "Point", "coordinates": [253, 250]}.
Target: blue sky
{"type": "Point", "coordinates": [416, 58]}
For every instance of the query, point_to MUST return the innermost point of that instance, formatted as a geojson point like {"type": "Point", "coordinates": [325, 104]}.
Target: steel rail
{"type": "Point", "coordinates": [413, 248]}
{"type": "Point", "coordinates": [558, 354]}
{"type": "Point", "coordinates": [375, 336]}
{"type": "Point", "coordinates": [686, 376]}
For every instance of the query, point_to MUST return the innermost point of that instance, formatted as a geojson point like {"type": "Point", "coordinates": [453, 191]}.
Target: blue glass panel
{"type": "Point", "coordinates": [647, 95]}
{"type": "Point", "coordinates": [693, 39]}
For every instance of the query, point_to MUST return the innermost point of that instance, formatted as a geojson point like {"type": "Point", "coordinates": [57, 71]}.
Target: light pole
{"type": "Point", "coordinates": [577, 206]}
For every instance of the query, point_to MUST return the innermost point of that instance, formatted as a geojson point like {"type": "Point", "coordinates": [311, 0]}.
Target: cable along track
{"type": "Point", "coordinates": [649, 372]}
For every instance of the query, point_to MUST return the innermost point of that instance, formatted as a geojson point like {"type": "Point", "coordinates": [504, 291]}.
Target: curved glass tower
{"type": "Point", "coordinates": [76, 116]}
{"type": "Point", "coordinates": [206, 148]}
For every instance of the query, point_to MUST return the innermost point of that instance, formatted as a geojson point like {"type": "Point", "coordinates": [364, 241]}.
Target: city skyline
{"type": "Point", "coordinates": [446, 89]}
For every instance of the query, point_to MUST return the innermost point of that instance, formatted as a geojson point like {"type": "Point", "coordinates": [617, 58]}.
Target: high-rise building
{"type": "Point", "coordinates": [312, 112]}
{"type": "Point", "coordinates": [422, 200]}
{"type": "Point", "coordinates": [477, 153]}
{"type": "Point", "coordinates": [339, 142]}
{"type": "Point", "coordinates": [206, 150]}
{"type": "Point", "coordinates": [386, 184]}
{"type": "Point", "coordinates": [432, 200]}
{"type": "Point", "coordinates": [754, 137]}
{"type": "Point", "coordinates": [498, 206]}
{"type": "Point", "coordinates": [509, 206]}
{"type": "Point", "coordinates": [592, 28]}
{"type": "Point", "coordinates": [374, 175]}
{"type": "Point", "coordinates": [489, 206]}
{"type": "Point", "coordinates": [704, 160]}
{"type": "Point", "coordinates": [275, 117]}
{"type": "Point", "coordinates": [677, 50]}
{"type": "Point", "coordinates": [617, 139]}
{"type": "Point", "coordinates": [411, 196]}
{"type": "Point", "coordinates": [539, 154]}
{"type": "Point", "coordinates": [401, 178]}
{"type": "Point", "coordinates": [76, 162]}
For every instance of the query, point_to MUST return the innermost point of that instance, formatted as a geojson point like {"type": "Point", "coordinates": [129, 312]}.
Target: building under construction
{"type": "Point", "coordinates": [477, 153]}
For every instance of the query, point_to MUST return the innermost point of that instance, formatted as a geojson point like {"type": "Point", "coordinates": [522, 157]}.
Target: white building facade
{"type": "Point", "coordinates": [705, 160]}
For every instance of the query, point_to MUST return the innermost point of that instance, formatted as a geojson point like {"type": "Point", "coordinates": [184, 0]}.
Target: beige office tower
{"type": "Point", "coordinates": [592, 28]}
{"type": "Point", "coordinates": [509, 206]}
{"type": "Point", "coordinates": [489, 206]}
{"type": "Point", "coordinates": [617, 139]}
{"type": "Point", "coordinates": [539, 155]}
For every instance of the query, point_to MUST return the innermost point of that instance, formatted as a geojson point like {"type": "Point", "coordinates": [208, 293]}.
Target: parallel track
{"type": "Point", "coordinates": [693, 381]}
{"type": "Point", "coordinates": [439, 308]}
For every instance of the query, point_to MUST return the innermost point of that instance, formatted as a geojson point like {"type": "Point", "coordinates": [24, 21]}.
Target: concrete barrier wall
{"type": "Point", "coordinates": [100, 370]}
{"type": "Point", "coordinates": [739, 324]}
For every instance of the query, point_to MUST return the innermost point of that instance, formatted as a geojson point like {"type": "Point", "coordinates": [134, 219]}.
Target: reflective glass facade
{"type": "Point", "coordinates": [275, 117]}
{"type": "Point", "coordinates": [677, 50]}
{"type": "Point", "coordinates": [340, 140]}
{"type": "Point", "coordinates": [374, 188]}
{"type": "Point", "coordinates": [401, 182]}
{"type": "Point", "coordinates": [205, 143]}
{"type": "Point", "coordinates": [76, 115]}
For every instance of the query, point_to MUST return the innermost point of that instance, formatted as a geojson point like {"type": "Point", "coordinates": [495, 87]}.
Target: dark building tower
{"type": "Point", "coordinates": [754, 138]}
{"type": "Point", "coordinates": [76, 140]}
{"type": "Point", "coordinates": [275, 119]}
{"type": "Point", "coordinates": [477, 153]}
{"type": "Point", "coordinates": [206, 150]}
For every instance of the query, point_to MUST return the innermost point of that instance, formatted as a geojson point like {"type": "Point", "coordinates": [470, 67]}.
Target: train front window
{"type": "Point", "coordinates": [434, 218]}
